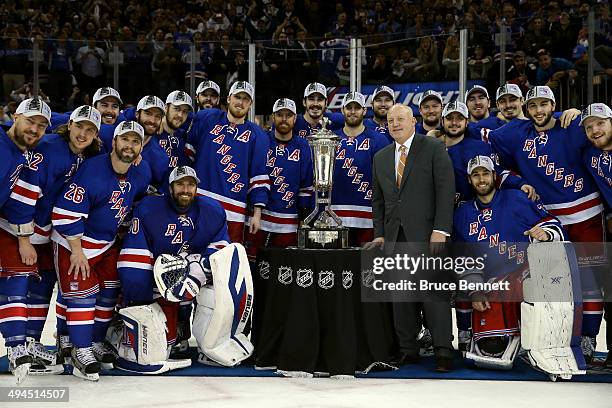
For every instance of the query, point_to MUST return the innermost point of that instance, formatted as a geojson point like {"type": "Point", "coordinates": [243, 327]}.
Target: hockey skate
{"type": "Point", "coordinates": [43, 361]}
{"type": "Point", "coordinates": [19, 362]}
{"type": "Point", "coordinates": [105, 354]}
{"type": "Point", "coordinates": [64, 349]}
{"type": "Point", "coordinates": [84, 364]}
{"type": "Point", "coordinates": [587, 344]}
{"type": "Point", "coordinates": [463, 341]}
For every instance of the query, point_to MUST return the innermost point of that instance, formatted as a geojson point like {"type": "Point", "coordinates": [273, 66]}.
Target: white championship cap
{"type": "Point", "coordinates": [129, 126]}
{"type": "Point", "coordinates": [480, 161]}
{"type": "Point", "coordinates": [284, 103]}
{"type": "Point", "coordinates": [182, 172]}
{"type": "Point", "coordinates": [150, 101]}
{"type": "Point", "coordinates": [34, 107]}
{"type": "Point", "coordinates": [353, 97]}
{"type": "Point", "coordinates": [88, 113]}
{"type": "Point", "coordinates": [242, 86]}
{"type": "Point", "coordinates": [508, 89]}
{"type": "Point", "coordinates": [476, 88]}
{"type": "Point", "coordinates": [315, 87]}
{"type": "Point", "coordinates": [383, 89]}
{"type": "Point", "coordinates": [104, 92]}
{"type": "Point", "coordinates": [178, 98]}
{"type": "Point", "coordinates": [540, 92]}
{"type": "Point", "coordinates": [456, 106]}
{"type": "Point", "coordinates": [598, 110]}
{"type": "Point", "coordinates": [208, 85]}
{"type": "Point", "coordinates": [430, 94]}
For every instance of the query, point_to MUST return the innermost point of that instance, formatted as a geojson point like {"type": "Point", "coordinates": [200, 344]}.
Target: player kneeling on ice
{"type": "Point", "coordinates": [543, 285]}
{"type": "Point", "coordinates": [177, 246]}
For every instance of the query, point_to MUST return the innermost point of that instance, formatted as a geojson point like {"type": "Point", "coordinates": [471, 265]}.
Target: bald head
{"type": "Point", "coordinates": [401, 122]}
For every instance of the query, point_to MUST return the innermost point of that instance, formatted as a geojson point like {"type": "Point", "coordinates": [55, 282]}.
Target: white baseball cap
{"type": "Point", "coordinates": [129, 126]}
{"type": "Point", "coordinates": [353, 97]}
{"type": "Point", "coordinates": [88, 113]}
{"type": "Point", "coordinates": [315, 87]}
{"type": "Point", "coordinates": [182, 172]}
{"type": "Point", "coordinates": [456, 106]}
{"type": "Point", "coordinates": [178, 98]}
{"type": "Point", "coordinates": [34, 107]}
{"type": "Point", "coordinates": [104, 92]}
{"type": "Point", "coordinates": [208, 85]}
{"type": "Point", "coordinates": [284, 103]}
{"type": "Point", "coordinates": [508, 89]}
{"type": "Point", "coordinates": [598, 110]}
{"type": "Point", "coordinates": [383, 89]}
{"type": "Point", "coordinates": [480, 161]}
{"type": "Point", "coordinates": [476, 88]}
{"type": "Point", "coordinates": [540, 92]}
{"type": "Point", "coordinates": [150, 101]}
{"type": "Point", "coordinates": [430, 94]}
{"type": "Point", "coordinates": [242, 86]}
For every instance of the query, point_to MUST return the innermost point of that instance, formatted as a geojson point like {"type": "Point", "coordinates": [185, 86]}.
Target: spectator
{"type": "Point", "coordinates": [304, 57]}
{"type": "Point", "coordinates": [551, 70]}
{"type": "Point", "coordinates": [60, 69]}
{"type": "Point", "coordinates": [221, 59]}
{"type": "Point", "coordinates": [202, 57]}
{"type": "Point", "coordinates": [427, 54]}
{"type": "Point", "coordinates": [450, 58]}
{"type": "Point", "coordinates": [90, 58]}
{"type": "Point", "coordinates": [26, 91]}
{"type": "Point", "coordinates": [168, 64]}
{"type": "Point", "coordinates": [218, 22]}
{"type": "Point", "coordinates": [379, 71]}
{"type": "Point", "coordinates": [563, 33]}
{"type": "Point", "coordinates": [479, 63]}
{"type": "Point", "coordinates": [403, 66]}
{"type": "Point", "coordinates": [536, 37]}
{"type": "Point", "coordinates": [14, 59]}
{"type": "Point", "coordinates": [138, 62]}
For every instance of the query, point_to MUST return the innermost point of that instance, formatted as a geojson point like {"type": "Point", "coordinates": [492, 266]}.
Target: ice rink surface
{"type": "Point", "coordinates": [213, 392]}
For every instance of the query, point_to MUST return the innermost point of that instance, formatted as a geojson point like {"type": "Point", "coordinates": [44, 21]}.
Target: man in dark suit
{"type": "Point", "coordinates": [413, 192]}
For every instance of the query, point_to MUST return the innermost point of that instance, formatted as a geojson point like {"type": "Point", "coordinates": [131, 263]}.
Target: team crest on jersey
{"type": "Point", "coordinates": [280, 150]}
{"type": "Point", "coordinates": [294, 156]}
{"type": "Point", "coordinates": [186, 221]}
{"type": "Point", "coordinates": [486, 214]}
{"type": "Point", "coordinates": [125, 186]}
{"type": "Point", "coordinates": [304, 277]}
{"type": "Point", "coordinates": [347, 279]}
{"type": "Point", "coordinates": [364, 145]}
{"type": "Point", "coordinates": [264, 269]}
{"type": "Point", "coordinates": [326, 279]}
{"type": "Point", "coordinates": [285, 275]}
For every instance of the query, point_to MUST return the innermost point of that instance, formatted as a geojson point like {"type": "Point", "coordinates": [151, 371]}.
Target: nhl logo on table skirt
{"type": "Point", "coordinates": [367, 278]}
{"type": "Point", "coordinates": [347, 279]}
{"type": "Point", "coordinates": [304, 277]}
{"type": "Point", "coordinates": [264, 269]}
{"type": "Point", "coordinates": [326, 279]}
{"type": "Point", "coordinates": [285, 275]}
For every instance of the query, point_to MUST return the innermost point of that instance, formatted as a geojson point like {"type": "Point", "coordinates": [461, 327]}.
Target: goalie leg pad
{"type": "Point", "coordinates": [222, 312]}
{"type": "Point", "coordinates": [551, 312]}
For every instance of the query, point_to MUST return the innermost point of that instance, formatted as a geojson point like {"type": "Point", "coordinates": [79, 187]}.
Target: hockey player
{"type": "Point", "coordinates": [478, 103]}
{"type": "Point", "coordinates": [549, 158]}
{"type": "Point", "coordinates": [430, 107]}
{"type": "Point", "coordinates": [182, 223]}
{"type": "Point", "coordinates": [86, 218]}
{"type": "Point", "coordinates": [54, 161]}
{"type": "Point", "coordinates": [289, 164]}
{"type": "Point", "coordinates": [352, 190]}
{"type": "Point", "coordinates": [172, 137]}
{"type": "Point", "coordinates": [495, 221]}
{"type": "Point", "coordinates": [31, 119]}
{"type": "Point", "coordinates": [315, 105]}
{"type": "Point", "coordinates": [207, 94]}
{"type": "Point", "coordinates": [461, 150]}
{"type": "Point", "coordinates": [383, 99]}
{"type": "Point", "coordinates": [597, 122]}
{"type": "Point", "coordinates": [107, 101]}
{"type": "Point", "coordinates": [230, 157]}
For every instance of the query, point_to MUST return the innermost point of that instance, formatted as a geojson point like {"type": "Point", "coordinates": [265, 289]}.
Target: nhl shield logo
{"type": "Point", "coordinates": [304, 277]}
{"type": "Point", "coordinates": [367, 278]}
{"type": "Point", "coordinates": [326, 279]}
{"type": "Point", "coordinates": [347, 279]}
{"type": "Point", "coordinates": [264, 269]}
{"type": "Point", "coordinates": [285, 275]}
{"type": "Point", "coordinates": [74, 286]}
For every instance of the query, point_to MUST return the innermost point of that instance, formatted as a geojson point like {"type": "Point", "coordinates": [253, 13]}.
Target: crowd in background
{"type": "Point", "coordinates": [406, 40]}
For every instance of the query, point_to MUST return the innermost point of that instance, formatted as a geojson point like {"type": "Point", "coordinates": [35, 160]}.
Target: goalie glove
{"type": "Point", "coordinates": [179, 278]}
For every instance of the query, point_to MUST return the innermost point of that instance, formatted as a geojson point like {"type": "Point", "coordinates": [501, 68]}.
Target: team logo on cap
{"type": "Point", "coordinates": [180, 96]}
{"type": "Point", "coordinates": [105, 91]}
{"type": "Point", "coordinates": [84, 111]}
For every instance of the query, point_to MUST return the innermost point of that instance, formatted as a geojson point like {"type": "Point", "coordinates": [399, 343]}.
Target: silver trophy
{"type": "Point", "coordinates": [323, 228]}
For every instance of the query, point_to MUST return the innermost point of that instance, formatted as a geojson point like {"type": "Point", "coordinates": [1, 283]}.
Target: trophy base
{"type": "Point", "coordinates": [320, 238]}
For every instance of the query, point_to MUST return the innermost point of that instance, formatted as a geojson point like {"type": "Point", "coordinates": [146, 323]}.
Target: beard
{"type": "Point", "coordinates": [239, 114]}
{"type": "Point", "coordinates": [183, 202]}
{"type": "Point", "coordinates": [546, 120]}
{"type": "Point", "coordinates": [482, 192]}
{"type": "Point", "coordinates": [353, 122]}
{"type": "Point", "coordinates": [382, 117]}
{"type": "Point", "coordinates": [126, 155]}
{"type": "Point", "coordinates": [20, 139]}
{"type": "Point", "coordinates": [431, 122]}
{"type": "Point", "coordinates": [455, 135]}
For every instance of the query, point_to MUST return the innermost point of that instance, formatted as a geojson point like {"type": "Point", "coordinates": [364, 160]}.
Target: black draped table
{"type": "Point", "coordinates": [308, 314]}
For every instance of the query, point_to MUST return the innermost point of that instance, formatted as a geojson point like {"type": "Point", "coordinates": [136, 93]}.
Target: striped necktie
{"type": "Point", "coordinates": [401, 164]}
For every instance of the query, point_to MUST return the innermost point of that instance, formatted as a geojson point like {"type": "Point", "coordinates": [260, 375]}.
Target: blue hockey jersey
{"type": "Point", "coordinates": [174, 146]}
{"type": "Point", "coordinates": [158, 229]}
{"type": "Point", "coordinates": [496, 230]}
{"type": "Point", "coordinates": [13, 161]}
{"type": "Point", "coordinates": [599, 164]}
{"type": "Point", "coordinates": [289, 165]}
{"type": "Point", "coordinates": [352, 188]}
{"type": "Point", "coordinates": [382, 129]}
{"type": "Point", "coordinates": [230, 161]}
{"type": "Point", "coordinates": [551, 162]}
{"type": "Point", "coordinates": [39, 184]}
{"type": "Point", "coordinates": [480, 130]}
{"type": "Point", "coordinates": [159, 164]}
{"type": "Point", "coordinates": [95, 202]}
{"type": "Point", "coordinates": [303, 128]}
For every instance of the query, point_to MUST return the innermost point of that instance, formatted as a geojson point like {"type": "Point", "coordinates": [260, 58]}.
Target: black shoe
{"type": "Point", "coordinates": [608, 362]}
{"type": "Point", "coordinates": [444, 364]}
{"type": "Point", "coordinates": [405, 358]}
